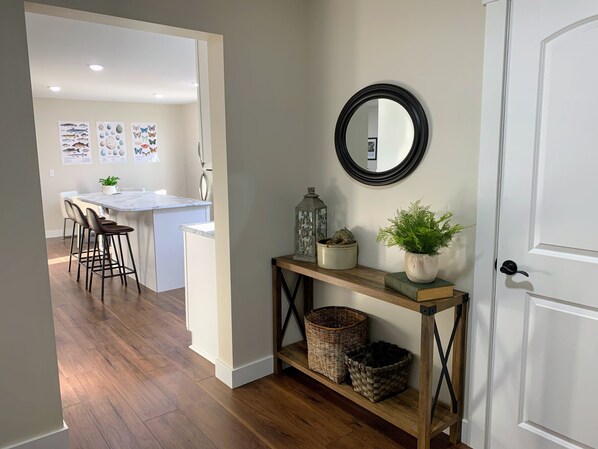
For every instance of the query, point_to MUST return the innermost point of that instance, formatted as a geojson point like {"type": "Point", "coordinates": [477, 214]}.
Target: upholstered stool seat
{"type": "Point", "coordinates": [110, 233]}
{"type": "Point", "coordinates": [80, 221]}
{"type": "Point", "coordinates": [65, 215]}
{"type": "Point", "coordinates": [83, 255]}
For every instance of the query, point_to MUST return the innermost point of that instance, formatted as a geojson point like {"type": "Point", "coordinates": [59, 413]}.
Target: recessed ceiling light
{"type": "Point", "coordinates": [195, 84]}
{"type": "Point", "coordinates": [158, 95]}
{"type": "Point", "coordinates": [96, 67]}
{"type": "Point", "coordinates": [54, 88]}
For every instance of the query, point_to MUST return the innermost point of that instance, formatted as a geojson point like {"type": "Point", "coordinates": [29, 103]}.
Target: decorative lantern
{"type": "Point", "coordinates": [310, 226]}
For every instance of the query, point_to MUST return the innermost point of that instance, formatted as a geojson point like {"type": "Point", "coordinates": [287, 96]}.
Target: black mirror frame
{"type": "Point", "coordinates": [420, 139]}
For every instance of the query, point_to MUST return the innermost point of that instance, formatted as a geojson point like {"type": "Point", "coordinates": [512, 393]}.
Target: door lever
{"type": "Point", "coordinates": [510, 268]}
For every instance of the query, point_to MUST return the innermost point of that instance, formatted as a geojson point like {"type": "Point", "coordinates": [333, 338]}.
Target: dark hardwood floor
{"type": "Point", "coordinates": [129, 380]}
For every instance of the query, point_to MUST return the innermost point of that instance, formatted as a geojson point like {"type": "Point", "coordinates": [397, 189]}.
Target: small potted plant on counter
{"type": "Point", "coordinates": [338, 252]}
{"type": "Point", "coordinates": [421, 235]}
{"type": "Point", "coordinates": [109, 185]}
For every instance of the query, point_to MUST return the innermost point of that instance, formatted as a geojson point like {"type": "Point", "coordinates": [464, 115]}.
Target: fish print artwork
{"type": "Point", "coordinates": [112, 147]}
{"type": "Point", "coordinates": [145, 142]}
{"type": "Point", "coordinates": [75, 147]}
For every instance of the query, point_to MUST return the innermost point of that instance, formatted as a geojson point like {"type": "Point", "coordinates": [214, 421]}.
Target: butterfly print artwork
{"type": "Point", "coordinates": [145, 142]}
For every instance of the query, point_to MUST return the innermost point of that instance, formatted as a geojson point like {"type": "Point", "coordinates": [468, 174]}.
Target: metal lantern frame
{"type": "Point", "coordinates": [311, 225]}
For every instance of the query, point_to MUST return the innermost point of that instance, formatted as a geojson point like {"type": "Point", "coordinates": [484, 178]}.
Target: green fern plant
{"type": "Point", "coordinates": [417, 230]}
{"type": "Point", "coordinates": [109, 181]}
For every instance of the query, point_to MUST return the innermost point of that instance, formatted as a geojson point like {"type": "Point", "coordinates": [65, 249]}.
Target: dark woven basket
{"type": "Point", "coordinates": [379, 370]}
{"type": "Point", "coordinates": [331, 332]}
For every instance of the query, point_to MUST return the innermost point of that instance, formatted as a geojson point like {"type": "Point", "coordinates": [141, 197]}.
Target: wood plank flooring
{"type": "Point", "coordinates": [129, 380]}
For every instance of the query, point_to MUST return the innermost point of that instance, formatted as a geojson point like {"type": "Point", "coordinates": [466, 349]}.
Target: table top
{"type": "Point", "coordinates": [370, 282]}
{"type": "Point", "coordinates": [203, 229]}
{"type": "Point", "coordinates": [139, 201]}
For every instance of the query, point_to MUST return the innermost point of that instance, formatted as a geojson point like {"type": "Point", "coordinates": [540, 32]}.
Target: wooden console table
{"type": "Point", "coordinates": [416, 412]}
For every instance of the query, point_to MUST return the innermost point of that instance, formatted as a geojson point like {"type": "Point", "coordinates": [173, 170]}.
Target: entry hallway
{"type": "Point", "coordinates": [129, 380]}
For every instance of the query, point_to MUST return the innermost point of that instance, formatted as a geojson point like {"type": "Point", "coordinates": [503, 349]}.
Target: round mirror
{"type": "Point", "coordinates": [381, 134]}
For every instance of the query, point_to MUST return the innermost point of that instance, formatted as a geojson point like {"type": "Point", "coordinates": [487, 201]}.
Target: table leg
{"type": "Point", "coordinates": [308, 295]}
{"type": "Point", "coordinates": [426, 370]}
{"type": "Point", "coordinates": [458, 370]}
{"type": "Point", "coordinates": [277, 316]}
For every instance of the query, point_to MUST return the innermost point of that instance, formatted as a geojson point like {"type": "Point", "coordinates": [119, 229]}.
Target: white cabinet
{"type": "Point", "coordinates": [200, 289]}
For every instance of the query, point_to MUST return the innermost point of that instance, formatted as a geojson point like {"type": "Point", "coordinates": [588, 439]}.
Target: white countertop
{"type": "Point", "coordinates": [203, 229]}
{"type": "Point", "coordinates": [139, 201]}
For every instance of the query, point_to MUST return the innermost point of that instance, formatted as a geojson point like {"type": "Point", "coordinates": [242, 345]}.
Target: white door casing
{"type": "Point", "coordinates": [545, 376]}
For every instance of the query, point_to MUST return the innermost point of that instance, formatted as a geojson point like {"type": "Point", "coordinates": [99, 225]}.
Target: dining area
{"type": "Point", "coordinates": [131, 235]}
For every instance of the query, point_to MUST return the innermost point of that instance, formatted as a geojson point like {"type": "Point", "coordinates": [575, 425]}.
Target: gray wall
{"type": "Point", "coordinates": [30, 398]}
{"type": "Point", "coordinates": [177, 127]}
{"type": "Point", "coordinates": [435, 50]}
{"type": "Point", "coordinates": [265, 82]}
{"type": "Point", "coordinates": [289, 66]}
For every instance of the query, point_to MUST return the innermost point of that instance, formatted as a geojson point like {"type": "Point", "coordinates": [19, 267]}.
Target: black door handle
{"type": "Point", "coordinates": [510, 268]}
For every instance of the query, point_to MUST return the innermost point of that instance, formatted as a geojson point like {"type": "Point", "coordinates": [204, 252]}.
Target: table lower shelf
{"type": "Point", "coordinates": [401, 410]}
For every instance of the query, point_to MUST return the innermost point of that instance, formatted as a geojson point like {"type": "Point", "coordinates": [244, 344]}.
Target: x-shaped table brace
{"type": "Point", "coordinates": [292, 309]}
{"type": "Point", "coordinates": [444, 374]}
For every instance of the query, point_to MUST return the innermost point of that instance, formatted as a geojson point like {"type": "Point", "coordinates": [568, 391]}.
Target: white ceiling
{"type": "Point", "coordinates": [137, 64]}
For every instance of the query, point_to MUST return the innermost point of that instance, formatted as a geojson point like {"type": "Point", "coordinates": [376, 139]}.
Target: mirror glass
{"type": "Point", "coordinates": [379, 135]}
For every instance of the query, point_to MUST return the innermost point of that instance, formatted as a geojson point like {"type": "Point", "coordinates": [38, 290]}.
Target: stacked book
{"type": "Point", "coordinates": [437, 289]}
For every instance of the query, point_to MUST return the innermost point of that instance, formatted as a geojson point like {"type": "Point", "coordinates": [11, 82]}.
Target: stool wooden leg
{"type": "Point", "coordinates": [103, 266]}
{"type": "Point", "coordinates": [108, 254]}
{"type": "Point", "coordinates": [133, 263]}
{"type": "Point", "coordinates": [80, 257]}
{"type": "Point", "coordinates": [72, 241]}
{"type": "Point", "coordinates": [118, 263]}
{"type": "Point", "coordinates": [93, 260]}
{"type": "Point", "coordinates": [122, 257]}
{"type": "Point", "coordinates": [87, 262]}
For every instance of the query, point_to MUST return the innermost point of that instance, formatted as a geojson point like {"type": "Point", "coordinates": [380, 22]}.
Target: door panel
{"type": "Point", "coordinates": [567, 156]}
{"type": "Point", "coordinates": [546, 333]}
{"type": "Point", "coordinates": [553, 392]}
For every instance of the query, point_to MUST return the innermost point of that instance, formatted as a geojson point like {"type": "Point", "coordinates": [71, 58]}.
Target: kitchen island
{"type": "Point", "coordinates": [157, 241]}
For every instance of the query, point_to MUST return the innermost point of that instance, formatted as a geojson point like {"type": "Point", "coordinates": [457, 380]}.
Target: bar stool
{"type": "Point", "coordinates": [68, 206]}
{"type": "Point", "coordinates": [65, 215]}
{"type": "Point", "coordinates": [81, 220]}
{"type": "Point", "coordinates": [108, 233]}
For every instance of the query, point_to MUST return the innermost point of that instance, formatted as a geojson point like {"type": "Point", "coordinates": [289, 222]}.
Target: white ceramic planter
{"type": "Point", "coordinates": [341, 257]}
{"type": "Point", "coordinates": [108, 190]}
{"type": "Point", "coordinates": [421, 268]}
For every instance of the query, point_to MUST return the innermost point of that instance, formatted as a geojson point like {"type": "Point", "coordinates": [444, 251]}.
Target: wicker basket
{"type": "Point", "coordinates": [379, 370]}
{"type": "Point", "coordinates": [332, 331]}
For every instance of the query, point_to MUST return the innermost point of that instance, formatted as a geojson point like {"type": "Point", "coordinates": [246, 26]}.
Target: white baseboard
{"type": "Point", "coordinates": [244, 374]}
{"type": "Point", "coordinates": [57, 233]}
{"type": "Point", "coordinates": [210, 358]}
{"type": "Point", "coordinates": [59, 439]}
{"type": "Point", "coordinates": [464, 432]}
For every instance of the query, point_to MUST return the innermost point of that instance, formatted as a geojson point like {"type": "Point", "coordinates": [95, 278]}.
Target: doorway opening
{"type": "Point", "coordinates": [191, 133]}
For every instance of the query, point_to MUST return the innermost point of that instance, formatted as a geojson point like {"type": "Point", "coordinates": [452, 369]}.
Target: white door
{"type": "Point", "coordinates": [545, 376]}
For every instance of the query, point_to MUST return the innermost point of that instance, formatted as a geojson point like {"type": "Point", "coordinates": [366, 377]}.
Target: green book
{"type": "Point", "coordinates": [419, 292]}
